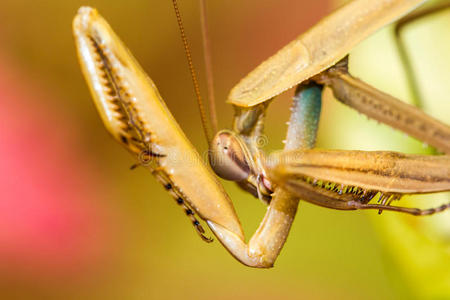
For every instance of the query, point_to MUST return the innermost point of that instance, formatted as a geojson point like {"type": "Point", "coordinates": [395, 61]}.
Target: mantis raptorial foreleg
{"type": "Point", "coordinates": [327, 178]}
{"type": "Point", "coordinates": [135, 114]}
{"type": "Point", "coordinates": [348, 180]}
{"type": "Point", "coordinates": [302, 130]}
{"type": "Point", "coordinates": [311, 57]}
{"type": "Point", "coordinates": [137, 117]}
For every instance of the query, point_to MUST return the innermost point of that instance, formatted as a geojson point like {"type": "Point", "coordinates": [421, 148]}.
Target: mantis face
{"type": "Point", "coordinates": [231, 159]}
{"type": "Point", "coordinates": [128, 101]}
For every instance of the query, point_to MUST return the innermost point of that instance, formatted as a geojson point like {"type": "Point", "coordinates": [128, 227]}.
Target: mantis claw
{"type": "Point", "coordinates": [135, 114]}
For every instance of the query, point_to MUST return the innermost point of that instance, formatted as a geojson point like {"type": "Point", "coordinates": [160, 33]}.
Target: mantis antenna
{"type": "Point", "coordinates": [187, 51]}
{"type": "Point", "coordinates": [208, 67]}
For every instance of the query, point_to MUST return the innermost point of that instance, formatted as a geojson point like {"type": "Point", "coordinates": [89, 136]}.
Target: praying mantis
{"type": "Point", "coordinates": [137, 117]}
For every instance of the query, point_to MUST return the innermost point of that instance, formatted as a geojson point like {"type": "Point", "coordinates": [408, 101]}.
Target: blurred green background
{"type": "Point", "coordinates": [75, 223]}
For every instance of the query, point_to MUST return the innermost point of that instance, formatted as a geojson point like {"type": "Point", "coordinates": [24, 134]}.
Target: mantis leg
{"type": "Point", "coordinates": [349, 180]}
{"type": "Point", "coordinates": [385, 108]}
{"type": "Point", "coordinates": [267, 242]}
{"type": "Point", "coordinates": [408, 210]}
{"type": "Point", "coordinates": [136, 116]}
{"type": "Point", "coordinates": [301, 134]}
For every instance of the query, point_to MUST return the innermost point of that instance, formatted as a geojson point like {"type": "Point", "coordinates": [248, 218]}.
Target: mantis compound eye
{"type": "Point", "coordinates": [228, 156]}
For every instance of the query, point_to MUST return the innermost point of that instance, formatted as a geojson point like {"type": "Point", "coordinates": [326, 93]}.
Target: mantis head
{"type": "Point", "coordinates": [231, 159]}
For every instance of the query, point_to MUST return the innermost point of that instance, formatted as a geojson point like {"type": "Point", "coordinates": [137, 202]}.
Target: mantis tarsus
{"type": "Point", "coordinates": [136, 116]}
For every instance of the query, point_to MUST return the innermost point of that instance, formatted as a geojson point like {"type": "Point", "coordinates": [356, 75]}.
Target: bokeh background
{"type": "Point", "coordinates": [76, 223]}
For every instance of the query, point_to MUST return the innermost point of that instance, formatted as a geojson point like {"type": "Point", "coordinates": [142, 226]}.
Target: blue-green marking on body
{"type": "Point", "coordinates": [304, 121]}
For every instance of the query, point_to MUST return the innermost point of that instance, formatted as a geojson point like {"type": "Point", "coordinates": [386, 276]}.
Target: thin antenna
{"type": "Point", "coordinates": [208, 67]}
{"type": "Point", "coordinates": [187, 51]}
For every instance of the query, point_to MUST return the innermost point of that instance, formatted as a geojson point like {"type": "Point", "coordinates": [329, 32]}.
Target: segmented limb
{"type": "Point", "coordinates": [407, 210]}
{"type": "Point", "coordinates": [319, 48]}
{"type": "Point", "coordinates": [349, 180]}
{"type": "Point", "coordinates": [385, 108]}
{"type": "Point", "coordinates": [269, 238]}
{"type": "Point", "coordinates": [384, 171]}
{"type": "Point", "coordinates": [136, 116]}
